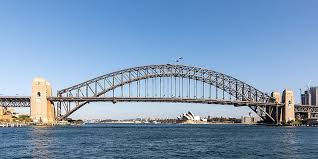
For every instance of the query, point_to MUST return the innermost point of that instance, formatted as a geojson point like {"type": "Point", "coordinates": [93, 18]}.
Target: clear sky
{"type": "Point", "coordinates": [269, 44]}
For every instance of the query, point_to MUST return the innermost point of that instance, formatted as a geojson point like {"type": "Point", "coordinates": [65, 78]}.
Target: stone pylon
{"type": "Point", "coordinates": [42, 110]}
{"type": "Point", "coordinates": [279, 110]}
{"type": "Point", "coordinates": [289, 109]}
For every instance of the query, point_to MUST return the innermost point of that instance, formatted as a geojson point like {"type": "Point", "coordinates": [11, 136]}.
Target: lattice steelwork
{"type": "Point", "coordinates": [163, 83]}
{"type": "Point", "coordinates": [312, 110]}
{"type": "Point", "coordinates": [14, 101]}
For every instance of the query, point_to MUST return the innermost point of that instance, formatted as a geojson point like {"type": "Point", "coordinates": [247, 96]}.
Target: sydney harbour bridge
{"type": "Point", "coordinates": [160, 83]}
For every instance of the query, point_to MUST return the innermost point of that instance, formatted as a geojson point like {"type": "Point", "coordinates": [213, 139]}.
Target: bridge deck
{"type": "Point", "coordinates": [147, 99]}
{"type": "Point", "coordinates": [24, 101]}
{"type": "Point", "coordinates": [15, 101]}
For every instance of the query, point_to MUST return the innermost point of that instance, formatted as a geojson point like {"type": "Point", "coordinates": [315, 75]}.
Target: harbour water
{"type": "Point", "coordinates": [159, 141]}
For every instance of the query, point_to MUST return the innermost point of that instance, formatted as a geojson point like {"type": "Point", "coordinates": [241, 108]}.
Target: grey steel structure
{"type": "Point", "coordinates": [163, 83]}
{"type": "Point", "coordinates": [177, 83]}
{"type": "Point", "coordinates": [310, 110]}
{"type": "Point", "coordinates": [14, 101]}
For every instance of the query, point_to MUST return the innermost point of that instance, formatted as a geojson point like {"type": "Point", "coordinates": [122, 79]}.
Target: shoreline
{"type": "Point", "coordinates": [207, 123]}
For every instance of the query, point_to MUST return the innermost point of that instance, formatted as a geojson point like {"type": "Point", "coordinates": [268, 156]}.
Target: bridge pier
{"type": "Point", "coordinates": [279, 110]}
{"type": "Point", "coordinates": [42, 110]}
{"type": "Point", "coordinates": [289, 108]}
{"type": "Point", "coordinates": [286, 113]}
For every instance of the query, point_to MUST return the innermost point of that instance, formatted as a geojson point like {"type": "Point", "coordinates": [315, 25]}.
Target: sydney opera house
{"type": "Point", "coordinates": [188, 118]}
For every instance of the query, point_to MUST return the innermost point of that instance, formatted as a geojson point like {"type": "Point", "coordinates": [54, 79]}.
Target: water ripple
{"type": "Point", "coordinates": [159, 141]}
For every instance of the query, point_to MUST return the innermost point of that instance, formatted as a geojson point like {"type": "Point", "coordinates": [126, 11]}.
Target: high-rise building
{"type": "Point", "coordinates": [310, 97]}
{"type": "Point", "coordinates": [306, 98]}
{"type": "Point", "coordinates": [314, 95]}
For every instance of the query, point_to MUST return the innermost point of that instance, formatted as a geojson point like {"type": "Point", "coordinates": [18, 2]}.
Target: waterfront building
{"type": "Point", "coordinates": [247, 120]}
{"type": "Point", "coordinates": [188, 118]}
{"type": "Point", "coordinates": [250, 120]}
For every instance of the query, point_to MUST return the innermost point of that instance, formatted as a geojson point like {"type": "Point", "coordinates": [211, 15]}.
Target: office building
{"type": "Point", "coordinates": [314, 95]}
{"type": "Point", "coordinates": [306, 98]}
{"type": "Point", "coordinates": [310, 97]}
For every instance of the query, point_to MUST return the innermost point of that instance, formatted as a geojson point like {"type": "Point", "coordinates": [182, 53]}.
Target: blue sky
{"type": "Point", "coordinates": [270, 44]}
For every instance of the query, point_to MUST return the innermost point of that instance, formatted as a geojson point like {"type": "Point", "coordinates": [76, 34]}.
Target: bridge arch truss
{"type": "Point", "coordinates": [164, 83]}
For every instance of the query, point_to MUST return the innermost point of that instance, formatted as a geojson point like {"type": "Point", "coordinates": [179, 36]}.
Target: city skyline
{"type": "Point", "coordinates": [271, 45]}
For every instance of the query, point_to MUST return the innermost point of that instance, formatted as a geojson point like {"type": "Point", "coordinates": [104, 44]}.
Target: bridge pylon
{"type": "Point", "coordinates": [289, 108]}
{"type": "Point", "coordinates": [279, 110]}
{"type": "Point", "coordinates": [42, 110]}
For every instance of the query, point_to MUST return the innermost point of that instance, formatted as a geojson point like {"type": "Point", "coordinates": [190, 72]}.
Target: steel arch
{"type": "Point", "coordinates": [109, 82]}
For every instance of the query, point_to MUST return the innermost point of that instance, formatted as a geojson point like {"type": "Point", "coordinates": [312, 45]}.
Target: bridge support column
{"type": "Point", "coordinates": [2, 110]}
{"type": "Point", "coordinates": [289, 108]}
{"type": "Point", "coordinates": [309, 115]}
{"type": "Point", "coordinates": [42, 110]}
{"type": "Point", "coordinates": [279, 110]}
